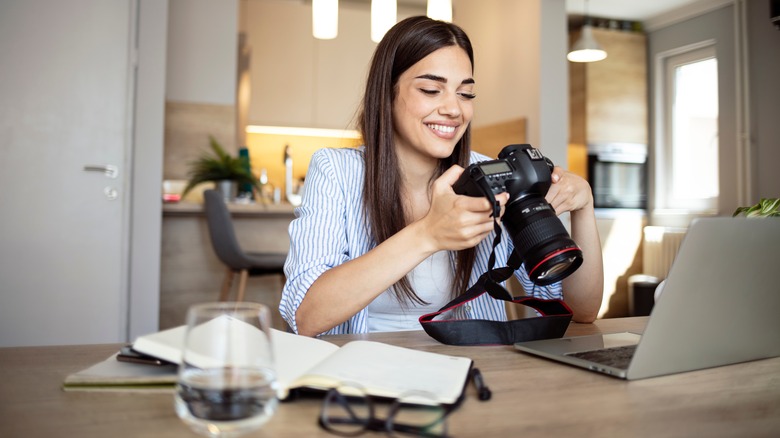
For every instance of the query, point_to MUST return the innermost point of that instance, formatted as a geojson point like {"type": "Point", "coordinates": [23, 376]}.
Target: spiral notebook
{"type": "Point", "coordinates": [718, 307]}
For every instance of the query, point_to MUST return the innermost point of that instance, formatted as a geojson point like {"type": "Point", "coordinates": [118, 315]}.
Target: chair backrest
{"type": "Point", "coordinates": [221, 231]}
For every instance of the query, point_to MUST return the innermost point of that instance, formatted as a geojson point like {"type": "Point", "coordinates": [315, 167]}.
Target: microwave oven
{"type": "Point", "coordinates": [617, 173]}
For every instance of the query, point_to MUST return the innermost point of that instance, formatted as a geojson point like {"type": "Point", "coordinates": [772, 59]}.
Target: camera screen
{"type": "Point", "coordinates": [495, 167]}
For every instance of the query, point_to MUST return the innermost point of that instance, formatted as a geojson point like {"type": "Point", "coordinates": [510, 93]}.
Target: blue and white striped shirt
{"type": "Point", "coordinates": [330, 229]}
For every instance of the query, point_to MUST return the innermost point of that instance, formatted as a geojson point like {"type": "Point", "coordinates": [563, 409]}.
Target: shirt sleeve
{"type": "Point", "coordinates": [318, 238]}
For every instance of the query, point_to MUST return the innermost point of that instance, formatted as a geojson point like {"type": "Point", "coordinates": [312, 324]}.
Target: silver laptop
{"type": "Point", "coordinates": [720, 305]}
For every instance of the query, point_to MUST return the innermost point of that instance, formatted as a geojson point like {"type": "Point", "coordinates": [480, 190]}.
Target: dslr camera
{"type": "Point", "coordinates": [539, 237]}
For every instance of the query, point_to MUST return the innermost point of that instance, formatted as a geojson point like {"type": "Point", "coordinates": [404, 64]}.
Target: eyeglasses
{"type": "Point", "coordinates": [349, 411]}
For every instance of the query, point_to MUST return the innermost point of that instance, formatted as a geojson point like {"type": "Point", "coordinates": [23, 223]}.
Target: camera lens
{"type": "Point", "coordinates": [541, 240]}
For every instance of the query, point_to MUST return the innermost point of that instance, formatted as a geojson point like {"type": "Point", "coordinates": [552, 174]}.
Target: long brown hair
{"type": "Point", "coordinates": [405, 44]}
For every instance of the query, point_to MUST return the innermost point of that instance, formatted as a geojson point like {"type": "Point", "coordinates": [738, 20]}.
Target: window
{"type": "Point", "coordinates": [687, 153]}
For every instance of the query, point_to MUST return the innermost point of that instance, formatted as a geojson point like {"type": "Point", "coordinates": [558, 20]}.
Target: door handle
{"type": "Point", "coordinates": [109, 170]}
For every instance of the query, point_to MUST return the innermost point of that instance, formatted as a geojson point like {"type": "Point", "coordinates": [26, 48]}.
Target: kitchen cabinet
{"type": "Point", "coordinates": [608, 99]}
{"type": "Point", "coordinates": [297, 80]}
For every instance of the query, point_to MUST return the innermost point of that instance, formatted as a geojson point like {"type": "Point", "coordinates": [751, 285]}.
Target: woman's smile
{"type": "Point", "coordinates": [443, 131]}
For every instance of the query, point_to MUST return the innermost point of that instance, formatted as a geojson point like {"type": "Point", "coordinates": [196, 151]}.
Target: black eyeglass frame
{"type": "Point", "coordinates": [373, 423]}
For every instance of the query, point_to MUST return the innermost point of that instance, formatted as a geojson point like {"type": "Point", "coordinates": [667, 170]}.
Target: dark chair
{"type": "Point", "coordinates": [229, 252]}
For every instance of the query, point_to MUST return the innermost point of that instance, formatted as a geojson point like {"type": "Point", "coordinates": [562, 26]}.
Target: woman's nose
{"type": "Point", "coordinates": [450, 106]}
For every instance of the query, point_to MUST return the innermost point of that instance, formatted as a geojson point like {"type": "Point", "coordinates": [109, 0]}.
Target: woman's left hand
{"type": "Point", "coordinates": [584, 288]}
{"type": "Point", "coordinates": [568, 192]}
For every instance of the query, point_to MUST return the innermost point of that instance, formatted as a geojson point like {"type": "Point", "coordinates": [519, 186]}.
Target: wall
{"type": "Point", "coordinates": [609, 97]}
{"type": "Point", "coordinates": [145, 220]}
{"type": "Point", "coordinates": [201, 80]}
{"type": "Point", "coordinates": [298, 80]}
{"type": "Point", "coordinates": [764, 95]}
{"type": "Point", "coordinates": [520, 66]}
{"type": "Point", "coordinates": [719, 26]}
{"type": "Point", "coordinates": [202, 48]}
{"type": "Point", "coordinates": [266, 151]}
{"type": "Point", "coordinates": [749, 71]}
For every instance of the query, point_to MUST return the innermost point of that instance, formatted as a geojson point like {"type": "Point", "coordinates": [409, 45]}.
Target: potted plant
{"type": "Point", "coordinates": [766, 207]}
{"type": "Point", "coordinates": [226, 171]}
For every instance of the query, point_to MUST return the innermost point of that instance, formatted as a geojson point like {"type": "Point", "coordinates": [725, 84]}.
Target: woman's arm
{"type": "Point", "coordinates": [583, 290]}
{"type": "Point", "coordinates": [344, 290]}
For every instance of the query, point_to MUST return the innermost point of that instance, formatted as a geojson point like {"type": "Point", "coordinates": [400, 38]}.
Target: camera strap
{"type": "Point", "coordinates": [444, 326]}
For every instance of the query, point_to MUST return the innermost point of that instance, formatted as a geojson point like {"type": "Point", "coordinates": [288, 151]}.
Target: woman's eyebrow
{"type": "Point", "coordinates": [442, 79]}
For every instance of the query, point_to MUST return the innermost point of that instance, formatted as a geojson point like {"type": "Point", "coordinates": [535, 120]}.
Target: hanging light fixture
{"type": "Point", "coordinates": [325, 19]}
{"type": "Point", "coordinates": [586, 49]}
{"type": "Point", "coordinates": [440, 10]}
{"type": "Point", "coordinates": [383, 17]}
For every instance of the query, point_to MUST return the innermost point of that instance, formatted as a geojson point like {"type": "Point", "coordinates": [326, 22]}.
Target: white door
{"type": "Point", "coordinates": [65, 108]}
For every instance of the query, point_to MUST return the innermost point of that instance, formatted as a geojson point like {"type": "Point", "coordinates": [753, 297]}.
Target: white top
{"type": "Point", "coordinates": [431, 280]}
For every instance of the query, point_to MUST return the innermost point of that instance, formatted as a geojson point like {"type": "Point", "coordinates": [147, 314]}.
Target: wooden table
{"type": "Point", "coordinates": [531, 397]}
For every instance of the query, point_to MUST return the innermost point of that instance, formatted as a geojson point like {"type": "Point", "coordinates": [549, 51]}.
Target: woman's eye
{"type": "Point", "coordinates": [429, 92]}
{"type": "Point", "coordinates": [467, 96]}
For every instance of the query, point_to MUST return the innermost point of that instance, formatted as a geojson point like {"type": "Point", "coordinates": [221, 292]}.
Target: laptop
{"type": "Point", "coordinates": [720, 305]}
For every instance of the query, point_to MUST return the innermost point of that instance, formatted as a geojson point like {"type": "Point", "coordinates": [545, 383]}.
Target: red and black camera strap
{"type": "Point", "coordinates": [443, 325]}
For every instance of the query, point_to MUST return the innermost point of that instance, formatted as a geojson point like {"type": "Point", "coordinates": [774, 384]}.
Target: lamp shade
{"type": "Point", "coordinates": [440, 10]}
{"type": "Point", "coordinates": [325, 19]}
{"type": "Point", "coordinates": [586, 49]}
{"type": "Point", "coordinates": [383, 17]}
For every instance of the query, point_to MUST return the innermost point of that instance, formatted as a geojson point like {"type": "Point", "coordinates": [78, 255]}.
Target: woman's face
{"type": "Point", "coordinates": [433, 105]}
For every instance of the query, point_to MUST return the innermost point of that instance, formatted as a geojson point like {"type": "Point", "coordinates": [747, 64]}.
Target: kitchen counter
{"type": "Point", "coordinates": [190, 270]}
{"type": "Point", "coordinates": [237, 210]}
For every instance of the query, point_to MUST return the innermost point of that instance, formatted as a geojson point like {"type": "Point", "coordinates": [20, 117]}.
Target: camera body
{"type": "Point", "coordinates": [520, 170]}
{"type": "Point", "coordinates": [539, 237]}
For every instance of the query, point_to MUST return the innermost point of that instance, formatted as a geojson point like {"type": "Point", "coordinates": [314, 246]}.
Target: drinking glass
{"type": "Point", "coordinates": [227, 380]}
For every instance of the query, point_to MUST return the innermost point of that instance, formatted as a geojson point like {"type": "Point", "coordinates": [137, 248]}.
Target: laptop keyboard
{"type": "Point", "coordinates": [617, 357]}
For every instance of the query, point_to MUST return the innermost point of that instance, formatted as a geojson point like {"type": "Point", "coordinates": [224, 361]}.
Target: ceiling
{"type": "Point", "coordinates": [633, 10]}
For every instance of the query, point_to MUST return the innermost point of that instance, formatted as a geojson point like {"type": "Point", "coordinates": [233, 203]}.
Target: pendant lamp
{"type": "Point", "coordinates": [586, 49]}
{"type": "Point", "coordinates": [325, 19]}
{"type": "Point", "coordinates": [383, 17]}
{"type": "Point", "coordinates": [440, 10]}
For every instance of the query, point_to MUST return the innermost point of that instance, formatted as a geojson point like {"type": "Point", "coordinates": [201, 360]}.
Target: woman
{"type": "Point", "coordinates": [381, 238]}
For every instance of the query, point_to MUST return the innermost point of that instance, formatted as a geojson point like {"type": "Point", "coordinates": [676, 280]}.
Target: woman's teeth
{"type": "Point", "coordinates": [442, 128]}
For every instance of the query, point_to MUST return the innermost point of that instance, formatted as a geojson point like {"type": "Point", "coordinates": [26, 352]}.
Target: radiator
{"type": "Point", "coordinates": [659, 248]}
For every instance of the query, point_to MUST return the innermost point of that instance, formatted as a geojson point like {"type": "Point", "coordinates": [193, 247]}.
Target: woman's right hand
{"type": "Point", "coordinates": [456, 222]}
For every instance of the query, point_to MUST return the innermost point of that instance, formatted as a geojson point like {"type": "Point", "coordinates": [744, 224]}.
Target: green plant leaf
{"type": "Point", "coordinates": [766, 207]}
{"type": "Point", "coordinates": [218, 166]}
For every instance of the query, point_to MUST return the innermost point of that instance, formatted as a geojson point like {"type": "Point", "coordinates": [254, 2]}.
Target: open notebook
{"type": "Point", "coordinates": [302, 362]}
{"type": "Point", "coordinates": [719, 306]}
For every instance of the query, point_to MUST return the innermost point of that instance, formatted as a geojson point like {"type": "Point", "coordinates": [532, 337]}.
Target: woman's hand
{"type": "Point", "coordinates": [569, 192]}
{"type": "Point", "coordinates": [456, 222]}
{"type": "Point", "coordinates": [584, 288]}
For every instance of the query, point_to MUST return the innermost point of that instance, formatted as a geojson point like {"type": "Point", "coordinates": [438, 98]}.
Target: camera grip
{"type": "Point", "coordinates": [473, 183]}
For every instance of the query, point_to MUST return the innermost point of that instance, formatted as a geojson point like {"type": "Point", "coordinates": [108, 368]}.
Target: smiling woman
{"type": "Point", "coordinates": [384, 216]}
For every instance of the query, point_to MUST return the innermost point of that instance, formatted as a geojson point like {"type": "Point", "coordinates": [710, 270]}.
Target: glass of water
{"type": "Point", "coordinates": [227, 381]}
